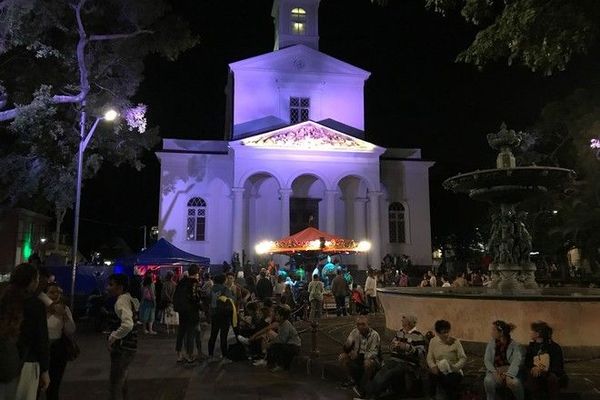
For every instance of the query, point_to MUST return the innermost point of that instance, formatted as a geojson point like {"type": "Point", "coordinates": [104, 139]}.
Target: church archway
{"type": "Point", "coordinates": [306, 205]}
{"type": "Point", "coordinates": [261, 203]}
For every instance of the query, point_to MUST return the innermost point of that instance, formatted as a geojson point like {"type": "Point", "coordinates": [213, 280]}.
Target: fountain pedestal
{"type": "Point", "coordinates": [511, 278]}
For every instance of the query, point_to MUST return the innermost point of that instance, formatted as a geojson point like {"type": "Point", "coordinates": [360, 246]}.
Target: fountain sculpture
{"type": "Point", "coordinates": [506, 186]}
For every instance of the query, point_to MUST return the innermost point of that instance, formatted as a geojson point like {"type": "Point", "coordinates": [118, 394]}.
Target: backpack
{"type": "Point", "coordinates": [180, 297]}
{"type": "Point", "coordinates": [10, 362]}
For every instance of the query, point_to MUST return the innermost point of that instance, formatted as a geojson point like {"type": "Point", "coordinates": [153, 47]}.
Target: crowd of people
{"type": "Point", "coordinates": [431, 364]}
{"type": "Point", "coordinates": [253, 318]}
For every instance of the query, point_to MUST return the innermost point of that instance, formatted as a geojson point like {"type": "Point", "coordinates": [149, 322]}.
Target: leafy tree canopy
{"type": "Point", "coordinates": [58, 58]}
{"type": "Point", "coordinates": [543, 35]}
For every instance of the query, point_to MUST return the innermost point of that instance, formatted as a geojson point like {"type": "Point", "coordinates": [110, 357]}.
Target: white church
{"type": "Point", "coordinates": [295, 154]}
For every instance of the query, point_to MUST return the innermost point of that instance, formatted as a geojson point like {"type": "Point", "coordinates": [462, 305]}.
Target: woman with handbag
{"type": "Point", "coordinates": [148, 305]}
{"type": "Point", "coordinates": [61, 328]}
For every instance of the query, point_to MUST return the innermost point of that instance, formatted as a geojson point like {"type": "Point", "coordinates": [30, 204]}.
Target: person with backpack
{"type": "Point", "coordinates": [186, 302]}
{"type": "Point", "coordinates": [23, 337]}
{"type": "Point", "coordinates": [122, 342]}
{"type": "Point", "coordinates": [222, 314]}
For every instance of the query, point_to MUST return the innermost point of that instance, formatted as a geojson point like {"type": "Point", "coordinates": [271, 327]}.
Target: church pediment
{"type": "Point", "coordinates": [299, 59]}
{"type": "Point", "coordinates": [309, 135]}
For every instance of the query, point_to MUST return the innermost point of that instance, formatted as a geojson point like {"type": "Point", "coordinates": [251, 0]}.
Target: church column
{"type": "Point", "coordinates": [330, 210]}
{"type": "Point", "coordinates": [284, 195]}
{"type": "Point", "coordinates": [360, 219]}
{"type": "Point", "coordinates": [238, 220]}
{"type": "Point", "coordinates": [374, 229]}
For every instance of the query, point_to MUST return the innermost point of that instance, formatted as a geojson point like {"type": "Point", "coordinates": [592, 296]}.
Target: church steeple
{"type": "Point", "coordinates": [296, 22]}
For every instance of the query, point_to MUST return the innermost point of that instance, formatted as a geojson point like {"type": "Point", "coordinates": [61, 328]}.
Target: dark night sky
{"type": "Point", "coordinates": [416, 97]}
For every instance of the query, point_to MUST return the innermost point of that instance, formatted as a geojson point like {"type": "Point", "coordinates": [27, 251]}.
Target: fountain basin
{"type": "Point", "coordinates": [573, 313]}
{"type": "Point", "coordinates": [509, 185]}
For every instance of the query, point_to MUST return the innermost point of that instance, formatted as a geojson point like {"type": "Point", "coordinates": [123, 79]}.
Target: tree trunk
{"type": "Point", "coordinates": [60, 215]}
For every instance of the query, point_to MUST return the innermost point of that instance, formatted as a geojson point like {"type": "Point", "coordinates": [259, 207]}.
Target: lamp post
{"type": "Point", "coordinates": [84, 140]}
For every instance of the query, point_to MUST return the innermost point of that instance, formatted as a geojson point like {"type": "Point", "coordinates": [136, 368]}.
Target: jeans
{"type": "Point", "coordinates": [219, 326]}
{"type": "Point", "coordinates": [56, 370]}
{"type": "Point", "coordinates": [316, 309]}
{"type": "Point", "coordinates": [392, 374]}
{"type": "Point", "coordinates": [119, 368]}
{"type": "Point", "coordinates": [445, 386]}
{"type": "Point", "coordinates": [282, 354]}
{"type": "Point", "coordinates": [372, 301]}
{"type": "Point", "coordinates": [544, 387]}
{"type": "Point", "coordinates": [491, 384]}
{"type": "Point", "coordinates": [186, 332]}
{"type": "Point", "coordinates": [340, 305]}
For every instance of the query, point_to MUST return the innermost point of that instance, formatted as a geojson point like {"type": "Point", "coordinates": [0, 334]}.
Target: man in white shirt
{"type": "Point", "coordinates": [432, 279]}
{"type": "Point", "coordinates": [122, 342]}
{"type": "Point", "coordinates": [371, 291]}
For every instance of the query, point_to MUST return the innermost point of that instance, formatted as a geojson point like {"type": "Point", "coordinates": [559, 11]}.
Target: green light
{"type": "Point", "coordinates": [27, 250]}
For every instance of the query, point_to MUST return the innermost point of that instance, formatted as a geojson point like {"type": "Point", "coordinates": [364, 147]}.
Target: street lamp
{"type": "Point", "coordinates": [84, 140]}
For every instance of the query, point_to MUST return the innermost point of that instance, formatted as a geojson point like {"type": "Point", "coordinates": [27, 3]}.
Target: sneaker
{"type": "Point", "coordinates": [152, 332]}
{"type": "Point", "coordinates": [211, 359]}
{"type": "Point", "coordinates": [357, 391]}
{"type": "Point", "coordinates": [260, 363]}
{"type": "Point", "coordinates": [225, 361]}
{"type": "Point", "coordinates": [276, 369]}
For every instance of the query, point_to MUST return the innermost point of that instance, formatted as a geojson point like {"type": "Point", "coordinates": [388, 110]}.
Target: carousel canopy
{"type": "Point", "coordinates": [312, 239]}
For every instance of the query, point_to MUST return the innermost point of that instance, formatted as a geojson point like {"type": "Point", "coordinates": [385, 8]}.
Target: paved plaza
{"type": "Point", "coordinates": [155, 375]}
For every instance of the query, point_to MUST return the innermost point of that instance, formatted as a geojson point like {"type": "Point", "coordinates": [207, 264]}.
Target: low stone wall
{"type": "Point", "coordinates": [575, 319]}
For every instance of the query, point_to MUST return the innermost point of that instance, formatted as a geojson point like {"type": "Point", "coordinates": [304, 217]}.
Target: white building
{"type": "Point", "coordinates": [294, 154]}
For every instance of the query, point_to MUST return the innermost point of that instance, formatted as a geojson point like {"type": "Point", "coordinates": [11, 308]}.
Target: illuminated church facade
{"type": "Point", "coordinates": [295, 154]}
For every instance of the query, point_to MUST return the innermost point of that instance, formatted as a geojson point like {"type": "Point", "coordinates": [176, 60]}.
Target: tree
{"type": "Point", "coordinates": [564, 135]}
{"type": "Point", "coordinates": [58, 60]}
{"type": "Point", "coordinates": [543, 35]}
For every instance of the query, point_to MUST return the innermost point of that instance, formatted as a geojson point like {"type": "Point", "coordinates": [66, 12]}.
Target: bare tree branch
{"type": "Point", "coordinates": [115, 36]}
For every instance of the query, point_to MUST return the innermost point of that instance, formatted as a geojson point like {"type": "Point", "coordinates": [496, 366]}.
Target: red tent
{"type": "Point", "coordinates": [312, 239]}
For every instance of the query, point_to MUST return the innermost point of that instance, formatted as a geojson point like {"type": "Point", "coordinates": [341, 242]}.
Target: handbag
{"type": "Point", "coordinates": [71, 347]}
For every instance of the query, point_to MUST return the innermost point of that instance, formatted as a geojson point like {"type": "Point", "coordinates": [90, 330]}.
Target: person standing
{"type": "Point", "coordinates": [170, 316]}
{"type": "Point", "coordinates": [186, 302]}
{"type": "Point", "coordinates": [61, 327]}
{"type": "Point", "coordinates": [432, 279]}
{"type": "Point", "coordinates": [21, 307]}
{"type": "Point", "coordinates": [222, 310]}
{"type": "Point", "coordinates": [371, 291]}
{"type": "Point", "coordinates": [148, 305]}
{"type": "Point", "coordinates": [122, 341]}
{"type": "Point", "coordinates": [339, 289]}
{"type": "Point", "coordinates": [264, 288]}
{"type": "Point", "coordinates": [315, 297]}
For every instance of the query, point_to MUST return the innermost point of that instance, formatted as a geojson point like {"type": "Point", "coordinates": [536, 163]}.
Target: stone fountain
{"type": "Point", "coordinates": [505, 187]}
{"type": "Point", "coordinates": [514, 294]}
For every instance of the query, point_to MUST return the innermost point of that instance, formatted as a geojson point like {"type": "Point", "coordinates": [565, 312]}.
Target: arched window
{"type": "Point", "coordinates": [298, 21]}
{"type": "Point", "coordinates": [396, 219]}
{"type": "Point", "coordinates": [196, 219]}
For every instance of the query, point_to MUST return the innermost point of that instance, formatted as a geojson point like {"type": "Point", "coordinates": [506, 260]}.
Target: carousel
{"type": "Point", "coordinates": [312, 248]}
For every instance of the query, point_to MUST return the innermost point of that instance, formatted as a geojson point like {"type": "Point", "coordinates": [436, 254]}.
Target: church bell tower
{"type": "Point", "coordinates": [296, 22]}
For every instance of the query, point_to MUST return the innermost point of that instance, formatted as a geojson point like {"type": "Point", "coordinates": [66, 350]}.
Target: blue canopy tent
{"type": "Point", "coordinates": [164, 252]}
